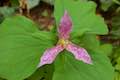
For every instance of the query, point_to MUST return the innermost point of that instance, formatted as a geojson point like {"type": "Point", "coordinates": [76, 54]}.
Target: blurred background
{"type": "Point", "coordinates": [41, 12]}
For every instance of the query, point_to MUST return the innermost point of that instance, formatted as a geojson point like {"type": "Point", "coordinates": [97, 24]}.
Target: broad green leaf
{"type": "Point", "coordinates": [1, 79]}
{"type": "Point", "coordinates": [83, 16]}
{"type": "Point", "coordinates": [7, 11]}
{"type": "Point", "coordinates": [21, 45]}
{"type": "Point", "coordinates": [68, 68]}
{"type": "Point", "coordinates": [44, 72]}
{"type": "Point", "coordinates": [106, 49]}
{"type": "Point", "coordinates": [32, 3]}
{"type": "Point", "coordinates": [92, 42]}
{"type": "Point", "coordinates": [105, 4]}
{"type": "Point", "coordinates": [88, 41]}
{"type": "Point", "coordinates": [1, 18]}
{"type": "Point", "coordinates": [72, 70]}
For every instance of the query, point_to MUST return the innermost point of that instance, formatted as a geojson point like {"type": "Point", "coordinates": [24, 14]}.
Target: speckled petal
{"type": "Point", "coordinates": [65, 26]}
{"type": "Point", "coordinates": [49, 55]}
{"type": "Point", "coordinates": [79, 53]}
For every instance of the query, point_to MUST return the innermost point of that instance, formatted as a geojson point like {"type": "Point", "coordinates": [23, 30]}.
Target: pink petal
{"type": "Point", "coordinates": [49, 55]}
{"type": "Point", "coordinates": [79, 53]}
{"type": "Point", "coordinates": [65, 26]}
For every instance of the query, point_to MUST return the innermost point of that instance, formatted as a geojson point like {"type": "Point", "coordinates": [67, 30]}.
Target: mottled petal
{"type": "Point", "coordinates": [79, 53]}
{"type": "Point", "coordinates": [65, 26]}
{"type": "Point", "coordinates": [49, 55]}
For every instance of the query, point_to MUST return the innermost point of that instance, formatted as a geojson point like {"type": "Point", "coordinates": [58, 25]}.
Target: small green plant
{"type": "Point", "coordinates": [22, 45]}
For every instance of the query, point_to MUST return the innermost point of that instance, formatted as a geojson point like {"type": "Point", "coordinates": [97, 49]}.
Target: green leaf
{"type": "Point", "coordinates": [88, 41]}
{"type": "Point", "coordinates": [83, 16]}
{"type": "Point", "coordinates": [21, 45]}
{"type": "Point", "coordinates": [117, 1]}
{"type": "Point", "coordinates": [116, 26]}
{"type": "Point", "coordinates": [1, 79]}
{"type": "Point", "coordinates": [7, 11]}
{"type": "Point", "coordinates": [116, 53]}
{"type": "Point", "coordinates": [44, 72]}
{"type": "Point", "coordinates": [49, 1]}
{"type": "Point", "coordinates": [32, 3]}
{"type": "Point", "coordinates": [105, 4]}
{"type": "Point", "coordinates": [117, 75]}
{"type": "Point", "coordinates": [116, 62]}
{"type": "Point", "coordinates": [117, 66]}
{"type": "Point", "coordinates": [106, 49]}
{"type": "Point", "coordinates": [14, 3]}
{"type": "Point", "coordinates": [68, 68]}
{"type": "Point", "coordinates": [1, 18]}
{"type": "Point", "coordinates": [115, 56]}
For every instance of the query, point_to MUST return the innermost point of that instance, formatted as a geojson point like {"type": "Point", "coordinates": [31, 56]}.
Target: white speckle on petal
{"type": "Point", "coordinates": [49, 55]}
{"type": "Point", "coordinates": [79, 53]}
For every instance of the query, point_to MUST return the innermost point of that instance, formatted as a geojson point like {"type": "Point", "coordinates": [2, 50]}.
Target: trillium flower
{"type": "Point", "coordinates": [64, 30]}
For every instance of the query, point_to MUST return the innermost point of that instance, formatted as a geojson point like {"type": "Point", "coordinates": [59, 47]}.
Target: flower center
{"type": "Point", "coordinates": [63, 42]}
